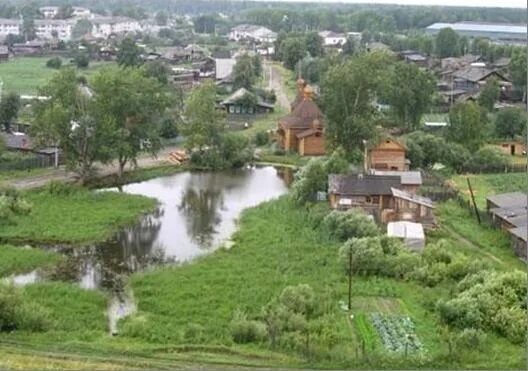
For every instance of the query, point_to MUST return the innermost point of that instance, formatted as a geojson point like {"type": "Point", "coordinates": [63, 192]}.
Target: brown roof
{"type": "Point", "coordinates": [303, 116]}
{"type": "Point", "coordinates": [308, 133]}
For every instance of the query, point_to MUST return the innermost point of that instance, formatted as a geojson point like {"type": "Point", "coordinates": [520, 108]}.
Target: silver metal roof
{"type": "Point", "coordinates": [480, 27]}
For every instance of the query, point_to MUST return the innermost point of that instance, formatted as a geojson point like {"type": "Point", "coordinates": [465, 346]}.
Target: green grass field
{"type": "Point", "coordinates": [24, 75]}
{"type": "Point", "coordinates": [23, 259]}
{"type": "Point", "coordinates": [80, 217]}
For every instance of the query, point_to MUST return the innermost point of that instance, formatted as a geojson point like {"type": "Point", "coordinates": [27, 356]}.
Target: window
{"type": "Point", "coordinates": [231, 109]}
{"type": "Point", "coordinates": [368, 200]}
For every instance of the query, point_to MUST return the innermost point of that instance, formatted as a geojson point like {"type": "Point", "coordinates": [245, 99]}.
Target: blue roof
{"type": "Point", "coordinates": [481, 27]}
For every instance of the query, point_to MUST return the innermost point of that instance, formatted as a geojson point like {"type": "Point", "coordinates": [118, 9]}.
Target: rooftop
{"type": "Point", "coordinates": [509, 200]}
{"type": "Point", "coordinates": [420, 200]}
{"type": "Point", "coordinates": [405, 230]}
{"type": "Point", "coordinates": [362, 185]}
{"type": "Point", "coordinates": [407, 177]}
{"type": "Point", "coordinates": [481, 27]}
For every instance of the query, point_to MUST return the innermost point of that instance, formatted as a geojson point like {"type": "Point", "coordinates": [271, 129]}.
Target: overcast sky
{"type": "Point", "coordinates": [478, 3]}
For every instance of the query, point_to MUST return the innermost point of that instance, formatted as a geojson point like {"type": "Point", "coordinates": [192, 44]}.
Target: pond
{"type": "Point", "coordinates": [197, 214]}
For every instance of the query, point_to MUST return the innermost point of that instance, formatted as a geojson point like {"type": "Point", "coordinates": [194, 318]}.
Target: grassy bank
{"type": "Point", "coordinates": [135, 176]}
{"type": "Point", "coordinates": [76, 216]}
{"type": "Point", "coordinates": [23, 259]}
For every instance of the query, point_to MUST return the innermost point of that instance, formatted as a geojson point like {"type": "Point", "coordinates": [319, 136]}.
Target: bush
{"type": "Point", "coordinates": [234, 151]}
{"type": "Point", "coordinates": [489, 300]}
{"type": "Point", "coordinates": [60, 188]}
{"type": "Point", "coordinates": [261, 138]}
{"type": "Point", "coordinates": [55, 63]}
{"type": "Point", "coordinates": [470, 338]}
{"type": "Point", "coordinates": [81, 61]}
{"type": "Point", "coordinates": [351, 223]}
{"type": "Point", "coordinates": [246, 331]}
{"type": "Point", "coordinates": [18, 314]}
{"type": "Point", "coordinates": [487, 159]}
{"type": "Point", "coordinates": [12, 203]}
{"type": "Point", "coordinates": [168, 129]}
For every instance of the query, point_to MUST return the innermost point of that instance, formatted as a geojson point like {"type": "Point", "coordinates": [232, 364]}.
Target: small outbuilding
{"type": "Point", "coordinates": [412, 234]}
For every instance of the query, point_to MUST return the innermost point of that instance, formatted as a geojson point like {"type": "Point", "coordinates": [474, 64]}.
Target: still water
{"type": "Point", "coordinates": [197, 213]}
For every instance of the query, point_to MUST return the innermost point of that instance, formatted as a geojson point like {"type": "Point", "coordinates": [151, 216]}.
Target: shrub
{"type": "Point", "coordinates": [12, 203]}
{"type": "Point", "coordinates": [60, 189]}
{"type": "Point", "coordinates": [470, 338]}
{"type": "Point", "coordinates": [168, 129]}
{"type": "Point", "coordinates": [487, 159]}
{"type": "Point", "coordinates": [246, 331]}
{"type": "Point", "coordinates": [351, 223]}
{"type": "Point", "coordinates": [55, 63]}
{"type": "Point", "coordinates": [81, 60]}
{"type": "Point", "coordinates": [18, 314]}
{"type": "Point", "coordinates": [298, 299]}
{"type": "Point", "coordinates": [261, 138]}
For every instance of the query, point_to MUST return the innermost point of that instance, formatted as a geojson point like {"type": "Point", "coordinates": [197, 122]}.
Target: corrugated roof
{"type": "Point", "coordinates": [407, 177]}
{"type": "Point", "coordinates": [480, 27]}
{"type": "Point", "coordinates": [224, 67]}
{"type": "Point", "coordinates": [475, 74]}
{"type": "Point", "coordinates": [362, 185]}
{"type": "Point", "coordinates": [424, 201]}
{"type": "Point", "coordinates": [508, 200]}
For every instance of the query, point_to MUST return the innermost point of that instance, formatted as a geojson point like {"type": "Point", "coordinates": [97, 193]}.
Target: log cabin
{"type": "Point", "coordinates": [388, 154]}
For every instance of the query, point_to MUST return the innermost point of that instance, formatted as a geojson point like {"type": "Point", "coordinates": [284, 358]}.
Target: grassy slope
{"type": "Point", "coordinates": [489, 184]}
{"type": "Point", "coordinates": [276, 247]}
{"type": "Point", "coordinates": [19, 260]}
{"type": "Point", "coordinates": [24, 75]}
{"type": "Point", "coordinates": [81, 217]}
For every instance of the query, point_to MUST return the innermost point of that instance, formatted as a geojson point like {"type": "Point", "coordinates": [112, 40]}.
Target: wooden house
{"type": "Point", "coordinates": [389, 154]}
{"type": "Point", "coordinates": [513, 147]}
{"type": "Point", "coordinates": [238, 104]}
{"type": "Point", "coordinates": [472, 79]}
{"type": "Point", "coordinates": [412, 207]}
{"type": "Point", "coordinates": [372, 193]}
{"type": "Point", "coordinates": [302, 130]}
{"type": "Point", "coordinates": [410, 180]}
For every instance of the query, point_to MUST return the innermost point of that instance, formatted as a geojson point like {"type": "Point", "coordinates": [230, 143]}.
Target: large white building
{"type": "Point", "coordinates": [10, 27]}
{"type": "Point", "coordinates": [252, 32]}
{"type": "Point", "coordinates": [79, 12]}
{"type": "Point", "coordinates": [500, 32]}
{"type": "Point", "coordinates": [331, 38]}
{"type": "Point", "coordinates": [46, 29]}
{"type": "Point", "coordinates": [103, 27]}
{"type": "Point", "coordinates": [49, 12]}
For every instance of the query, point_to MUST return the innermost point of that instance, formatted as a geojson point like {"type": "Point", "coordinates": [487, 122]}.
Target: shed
{"type": "Point", "coordinates": [412, 234]}
{"type": "Point", "coordinates": [520, 239]}
{"type": "Point", "coordinates": [506, 200]}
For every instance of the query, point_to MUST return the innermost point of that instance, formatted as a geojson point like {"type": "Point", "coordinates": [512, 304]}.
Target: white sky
{"type": "Point", "coordinates": [476, 3]}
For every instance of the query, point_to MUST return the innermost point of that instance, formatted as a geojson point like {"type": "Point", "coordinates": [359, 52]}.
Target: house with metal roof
{"type": "Point", "coordinates": [501, 32]}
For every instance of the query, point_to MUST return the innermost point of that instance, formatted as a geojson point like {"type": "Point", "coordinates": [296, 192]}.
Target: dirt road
{"type": "Point", "coordinates": [62, 175]}
{"type": "Point", "coordinates": [277, 84]}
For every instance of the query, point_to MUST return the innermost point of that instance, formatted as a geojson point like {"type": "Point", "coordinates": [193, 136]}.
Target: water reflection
{"type": "Point", "coordinates": [196, 213]}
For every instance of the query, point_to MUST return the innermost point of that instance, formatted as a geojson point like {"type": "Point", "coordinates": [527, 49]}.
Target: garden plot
{"type": "Point", "coordinates": [397, 333]}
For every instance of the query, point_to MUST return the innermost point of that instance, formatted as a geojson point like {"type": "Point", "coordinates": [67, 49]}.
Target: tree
{"type": "Point", "coordinates": [446, 43]}
{"type": "Point", "coordinates": [409, 93]}
{"type": "Point", "coordinates": [314, 44]}
{"type": "Point", "coordinates": [489, 95]}
{"type": "Point", "coordinates": [9, 107]}
{"type": "Point", "coordinates": [205, 24]}
{"type": "Point", "coordinates": [55, 62]}
{"type": "Point", "coordinates": [161, 18]}
{"type": "Point", "coordinates": [244, 73]}
{"type": "Point", "coordinates": [157, 70]}
{"type": "Point", "coordinates": [64, 12]}
{"type": "Point", "coordinates": [28, 28]}
{"type": "Point", "coordinates": [292, 50]}
{"type": "Point", "coordinates": [129, 54]}
{"type": "Point", "coordinates": [81, 28]}
{"type": "Point", "coordinates": [348, 91]}
{"type": "Point", "coordinates": [65, 120]}
{"type": "Point", "coordinates": [203, 124]}
{"type": "Point", "coordinates": [257, 65]}
{"type": "Point", "coordinates": [81, 60]}
{"type": "Point", "coordinates": [518, 71]}
{"type": "Point", "coordinates": [133, 105]}
{"type": "Point", "coordinates": [351, 46]}
{"type": "Point", "coordinates": [510, 123]}
{"type": "Point", "coordinates": [467, 124]}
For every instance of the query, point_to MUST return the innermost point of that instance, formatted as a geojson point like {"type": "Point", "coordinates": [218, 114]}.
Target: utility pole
{"type": "Point", "coordinates": [473, 200]}
{"type": "Point", "coordinates": [350, 279]}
